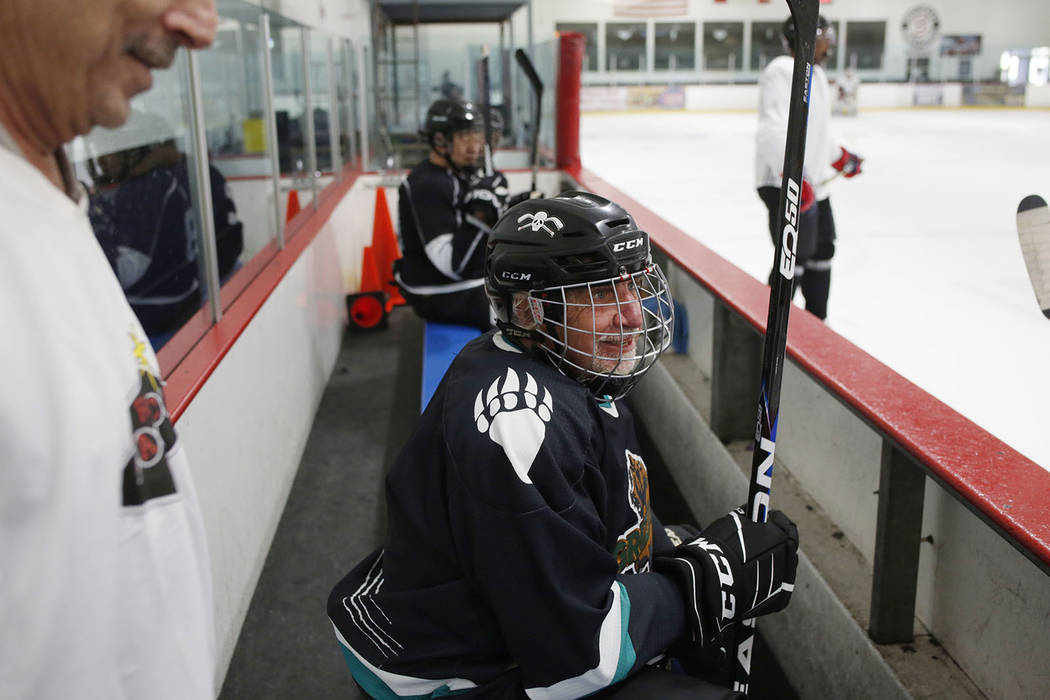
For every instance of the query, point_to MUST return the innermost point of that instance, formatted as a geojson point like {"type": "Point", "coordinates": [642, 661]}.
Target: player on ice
{"type": "Point", "coordinates": [523, 557]}
{"type": "Point", "coordinates": [816, 241]}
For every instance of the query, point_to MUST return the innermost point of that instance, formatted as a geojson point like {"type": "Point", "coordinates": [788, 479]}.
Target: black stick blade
{"type": "Point", "coordinates": [1033, 232]}
{"type": "Point", "coordinates": [530, 71]}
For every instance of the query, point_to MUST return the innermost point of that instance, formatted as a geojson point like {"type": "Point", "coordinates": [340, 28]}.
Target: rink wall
{"type": "Point", "coordinates": [744, 97]}
{"type": "Point", "coordinates": [953, 526]}
{"type": "Point", "coordinates": [245, 396]}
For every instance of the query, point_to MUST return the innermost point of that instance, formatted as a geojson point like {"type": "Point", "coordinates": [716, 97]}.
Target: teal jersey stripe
{"type": "Point", "coordinates": [627, 655]}
{"type": "Point", "coordinates": [380, 690]}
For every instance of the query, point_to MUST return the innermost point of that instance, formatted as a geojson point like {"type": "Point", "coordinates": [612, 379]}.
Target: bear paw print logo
{"type": "Point", "coordinates": [515, 417]}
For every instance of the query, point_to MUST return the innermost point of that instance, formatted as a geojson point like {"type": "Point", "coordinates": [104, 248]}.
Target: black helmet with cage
{"type": "Point", "coordinates": [446, 117]}
{"type": "Point", "coordinates": [824, 29]}
{"type": "Point", "coordinates": [574, 274]}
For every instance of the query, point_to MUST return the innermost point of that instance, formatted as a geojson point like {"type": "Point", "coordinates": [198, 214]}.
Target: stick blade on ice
{"type": "Point", "coordinates": [1033, 230]}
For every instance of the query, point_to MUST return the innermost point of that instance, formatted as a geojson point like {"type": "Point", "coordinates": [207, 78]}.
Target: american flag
{"type": "Point", "coordinates": [651, 8]}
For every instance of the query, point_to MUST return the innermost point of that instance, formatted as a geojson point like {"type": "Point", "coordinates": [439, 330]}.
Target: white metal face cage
{"type": "Point", "coordinates": [607, 333]}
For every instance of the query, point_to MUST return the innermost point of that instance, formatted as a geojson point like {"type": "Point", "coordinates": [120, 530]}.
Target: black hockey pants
{"type": "Point", "coordinates": [650, 683]}
{"type": "Point", "coordinates": [814, 250]}
{"type": "Point", "coordinates": [469, 307]}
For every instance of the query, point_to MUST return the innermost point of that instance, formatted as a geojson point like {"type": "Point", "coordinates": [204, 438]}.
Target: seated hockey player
{"type": "Point", "coordinates": [523, 558]}
{"type": "Point", "coordinates": [446, 208]}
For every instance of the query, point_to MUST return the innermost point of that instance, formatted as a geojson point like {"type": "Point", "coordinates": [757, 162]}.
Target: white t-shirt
{"type": "Point", "coordinates": [105, 582]}
{"type": "Point", "coordinates": [774, 95]}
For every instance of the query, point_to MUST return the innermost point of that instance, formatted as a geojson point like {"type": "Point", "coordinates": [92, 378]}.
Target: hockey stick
{"type": "Point", "coordinates": [804, 14]}
{"type": "Point", "coordinates": [537, 88]}
{"type": "Point", "coordinates": [1033, 230]}
{"type": "Point", "coordinates": [486, 109]}
{"type": "Point", "coordinates": [830, 178]}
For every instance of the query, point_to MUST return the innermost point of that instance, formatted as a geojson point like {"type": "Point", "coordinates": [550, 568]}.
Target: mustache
{"type": "Point", "coordinates": [154, 51]}
{"type": "Point", "coordinates": [629, 335]}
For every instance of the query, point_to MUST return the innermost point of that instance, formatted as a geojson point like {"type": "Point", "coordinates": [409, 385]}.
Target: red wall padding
{"type": "Point", "coordinates": [570, 66]}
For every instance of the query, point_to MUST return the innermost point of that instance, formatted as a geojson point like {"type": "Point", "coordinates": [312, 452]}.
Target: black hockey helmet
{"type": "Point", "coordinates": [823, 30]}
{"type": "Point", "coordinates": [449, 116]}
{"type": "Point", "coordinates": [574, 273]}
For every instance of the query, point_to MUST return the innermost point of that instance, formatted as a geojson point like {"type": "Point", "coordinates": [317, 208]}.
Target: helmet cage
{"type": "Point", "coordinates": [609, 362]}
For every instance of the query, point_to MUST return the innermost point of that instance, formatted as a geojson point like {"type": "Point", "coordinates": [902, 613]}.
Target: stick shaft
{"type": "Point", "coordinates": [804, 14]}
{"type": "Point", "coordinates": [486, 109]}
{"type": "Point", "coordinates": [537, 88]}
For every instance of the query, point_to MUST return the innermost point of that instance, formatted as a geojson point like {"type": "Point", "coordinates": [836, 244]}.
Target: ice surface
{"type": "Point", "coordinates": [928, 274]}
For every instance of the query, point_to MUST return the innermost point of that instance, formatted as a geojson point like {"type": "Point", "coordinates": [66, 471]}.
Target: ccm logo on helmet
{"type": "Point", "coordinates": [790, 236]}
{"type": "Point", "coordinates": [627, 245]}
{"type": "Point", "coordinates": [520, 276]}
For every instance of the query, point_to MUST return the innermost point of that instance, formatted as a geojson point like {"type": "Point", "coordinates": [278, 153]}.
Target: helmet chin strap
{"type": "Point", "coordinates": [447, 154]}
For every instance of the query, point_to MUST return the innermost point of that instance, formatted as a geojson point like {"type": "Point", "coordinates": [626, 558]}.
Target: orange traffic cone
{"type": "Point", "coordinates": [293, 206]}
{"type": "Point", "coordinates": [384, 243]}
{"type": "Point", "coordinates": [368, 307]}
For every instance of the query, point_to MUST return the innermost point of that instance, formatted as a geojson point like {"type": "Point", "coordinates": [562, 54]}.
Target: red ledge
{"type": "Point", "coordinates": [198, 348]}
{"type": "Point", "coordinates": [999, 482]}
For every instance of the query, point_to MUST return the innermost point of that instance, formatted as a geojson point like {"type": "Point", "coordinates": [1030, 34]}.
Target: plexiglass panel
{"type": "Point", "coordinates": [234, 115]}
{"type": "Point", "coordinates": [143, 206]}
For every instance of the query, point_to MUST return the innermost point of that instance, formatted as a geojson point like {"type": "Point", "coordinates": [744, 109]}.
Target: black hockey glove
{"type": "Point", "coordinates": [679, 534]}
{"type": "Point", "coordinates": [487, 198]}
{"type": "Point", "coordinates": [735, 570]}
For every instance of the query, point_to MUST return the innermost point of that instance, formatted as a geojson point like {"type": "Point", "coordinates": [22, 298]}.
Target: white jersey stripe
{"type": "Point", "coordinates": [357, 614]}
{"type": "Point", "coordinates": [399, 685]}
{"type": "Point", "coordinates": [615, 655]}
{"type": "Point", "coordinates": [366, 597]}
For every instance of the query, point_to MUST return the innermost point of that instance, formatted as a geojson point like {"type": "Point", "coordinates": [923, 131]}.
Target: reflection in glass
{"type": "Point", "coordinates": [289, 94]}
{"type": "Point", "coordinates": [674, 45]}
{"type": "Point", "coordinates": [141, 185]}
{"type": "Point", "coordinates": [723, 45]}
{"type": "Point", "coordinates": [831, 62]}
{"type": "Point", "coordinates": [866, 42]}
{"type": "Point", "coordinates": [234, 109]}
{"type": "Point", "coordinates": [767, 42]}
{"type": "Point", "coordinates": [346, 98]}
{"type": "Point", "coordinates": [625, 46]}
{"type": "Point", "coordinates": [321, 99]}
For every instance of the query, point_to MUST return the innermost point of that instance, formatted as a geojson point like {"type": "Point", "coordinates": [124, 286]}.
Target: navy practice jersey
{"type": "Point", "coordinates": [443, 249]}
{"type": "Point", "coordinates": [520, 540]}
{"type": "Point", "coordinates": [148, 230]}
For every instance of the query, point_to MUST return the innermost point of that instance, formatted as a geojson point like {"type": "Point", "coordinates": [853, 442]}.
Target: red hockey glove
{"type": "Point", "coordinates": [848, 163]}
{"type": "Point", "coordinates": [808, 198]}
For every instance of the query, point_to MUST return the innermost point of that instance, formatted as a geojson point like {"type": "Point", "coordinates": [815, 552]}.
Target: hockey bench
{"type": "Point", "coordinates": [441, 343]}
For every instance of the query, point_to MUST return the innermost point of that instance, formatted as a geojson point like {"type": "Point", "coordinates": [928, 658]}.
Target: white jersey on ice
{"type": "Point", "coordinates": [105, 584]}
{"type": "Point", "coordinates": [774, 93]}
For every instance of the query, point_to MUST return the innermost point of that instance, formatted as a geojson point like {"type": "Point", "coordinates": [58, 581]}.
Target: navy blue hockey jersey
{"type": "Point", "coordinates": [519, 544]}
{"type": "Point", "coordinates": [442, 247]}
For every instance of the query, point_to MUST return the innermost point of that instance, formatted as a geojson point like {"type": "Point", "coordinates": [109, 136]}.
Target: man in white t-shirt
{"type": "Point", "coordinates": [816, 241]}
{"type": "Point", "coordinates": [105, 584]}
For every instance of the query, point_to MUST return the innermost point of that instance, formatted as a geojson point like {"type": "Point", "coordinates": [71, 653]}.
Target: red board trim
{"type": "Point", "coordinates": [197, 349]}
{"type": "Point", "coordinates": [999, 483]}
